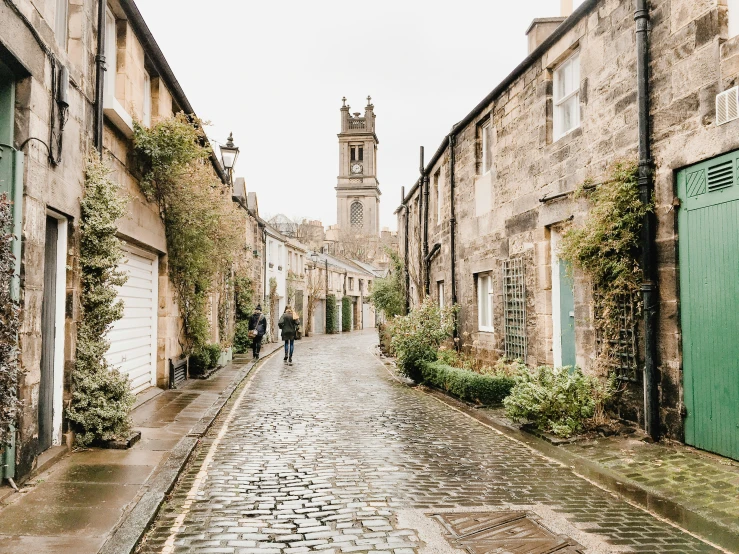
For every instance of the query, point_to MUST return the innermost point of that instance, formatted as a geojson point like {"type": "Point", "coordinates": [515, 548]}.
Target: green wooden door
{"type": "Point", "coordinates": [567, 314]}
{"type": "Point", "coordinates": [708, 225]}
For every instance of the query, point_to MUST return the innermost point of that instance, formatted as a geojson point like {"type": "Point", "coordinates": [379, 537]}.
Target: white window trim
{"type": "Point", "coordinates": [733, 15]}
{"type": "Point", "coordinates": [486, 147]}
{"type": "Point", "coordinates": [439, 199]}
{"type": "Point", "coordinates": [485, 328]}
{"type": "Point", "coordinates": [61, 23]}
{"type": "Point", "coordinates": [440, 293]}
{"type": "Point", "coordinates": [559, 102]}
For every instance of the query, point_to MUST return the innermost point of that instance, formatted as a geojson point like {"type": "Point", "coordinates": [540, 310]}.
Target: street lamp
{"type": "Point", "coordinates": [229, 154]}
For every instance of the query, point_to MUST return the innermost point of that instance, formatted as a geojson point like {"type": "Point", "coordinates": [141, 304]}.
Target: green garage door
{"type": "Point", "coordinates": [708, 225]}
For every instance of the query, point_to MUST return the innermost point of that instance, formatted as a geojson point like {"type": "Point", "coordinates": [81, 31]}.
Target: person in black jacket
{"type": "Point", "coordinates": [257, 330]}
{"type": "Point", "coordinates": [289, 325]}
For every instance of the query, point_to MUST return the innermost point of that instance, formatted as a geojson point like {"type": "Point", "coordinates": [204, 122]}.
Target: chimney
{"type": "Point", "coordinates": [542, 27]}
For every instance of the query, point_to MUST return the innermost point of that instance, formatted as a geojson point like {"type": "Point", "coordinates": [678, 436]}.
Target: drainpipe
{"type": "Point", "coordinates": [453, 233]}
{"type": "Point", "coordinates": [425, 186]}
{"type": "Point", "coordinates": [405, 252]}
{"type": "Point", "coordinates": [100, 78]}
{"type": "Point", "coordinates": [648, 251]}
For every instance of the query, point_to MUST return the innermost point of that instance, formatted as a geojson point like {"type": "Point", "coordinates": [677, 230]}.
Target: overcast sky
{"type": "Point", "coordinates": [274, 72]}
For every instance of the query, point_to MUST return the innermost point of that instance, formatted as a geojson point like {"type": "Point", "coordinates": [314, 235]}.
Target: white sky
{"type": "Point", "coordinates": [274, 72]}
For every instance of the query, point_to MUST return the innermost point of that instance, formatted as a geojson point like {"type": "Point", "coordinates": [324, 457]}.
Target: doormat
{"type": "Point", "coordinates": [504, 532]}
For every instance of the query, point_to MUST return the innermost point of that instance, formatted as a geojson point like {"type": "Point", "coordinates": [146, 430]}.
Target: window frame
{"type": "Point", "coordinates": [146, 116]}
{"type": "Point", "coordinates": [487, 140]}
{"type": "Point", "coordinates": [440, 293]}
{"type": "Point", "coordinates": [558, 103]}
{"type": "Point", "coordinates": [61, 23]}
{"type": "Point", "coordinates": [111, 52]}
{"type": "Point", "coordinates": [488, 276]}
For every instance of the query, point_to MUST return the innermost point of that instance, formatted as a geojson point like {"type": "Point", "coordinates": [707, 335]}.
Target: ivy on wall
{"type": "Point", "coordinates": [203, 228]}
{"type": "Point", "coordinates": [346, 314]}
{"type": "Point", "coordinates": [9, 403]}
{"type": "Point", "coordinates": [332, 325]}
{"type": "Point", "coordinates": [606, 248]}
{"type": "Point", "coordinates": [101, 395]}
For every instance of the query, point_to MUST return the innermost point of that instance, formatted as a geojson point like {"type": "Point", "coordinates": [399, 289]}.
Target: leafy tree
{"type": "Point", "coordinates": [101, 395]}
{"type": "Point", "coordinates": [388, 293]}
{"type": "Point", "coordinates": [204, 229]}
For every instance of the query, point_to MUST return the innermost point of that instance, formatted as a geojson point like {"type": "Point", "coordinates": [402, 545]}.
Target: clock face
{"type": "Point", "coordinates": [357, 168]}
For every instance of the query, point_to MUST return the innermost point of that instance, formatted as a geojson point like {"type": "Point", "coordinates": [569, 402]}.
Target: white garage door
{"type": "Point", "coordinates": [133, 338]}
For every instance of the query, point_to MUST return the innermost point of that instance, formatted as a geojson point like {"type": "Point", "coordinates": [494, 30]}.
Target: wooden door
{"type": "Point", "coordinates": [708, 225]}
{"type": "Point", "coordinates": [48, 338]}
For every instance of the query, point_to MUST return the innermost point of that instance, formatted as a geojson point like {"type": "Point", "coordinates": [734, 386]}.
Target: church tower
{"type": "Point", "coordinates": [357, 190]}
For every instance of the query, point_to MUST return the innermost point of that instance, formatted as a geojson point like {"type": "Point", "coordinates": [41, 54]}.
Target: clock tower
{"type": "Point", "coordinates": [357, 189]}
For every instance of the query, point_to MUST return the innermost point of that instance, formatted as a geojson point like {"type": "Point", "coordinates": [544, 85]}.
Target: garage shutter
{"type": "Point", "coordinates": [133, 338]}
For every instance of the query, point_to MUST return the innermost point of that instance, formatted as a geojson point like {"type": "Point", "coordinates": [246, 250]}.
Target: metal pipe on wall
{"type": "Point", "coordinates": [425, 187]}
{"type": "Point", "coordinates": [100, 77]}
{"type": "Point", "coordinates": [452, 232]}
{"type": "Point", "coordinates": [648, 250]}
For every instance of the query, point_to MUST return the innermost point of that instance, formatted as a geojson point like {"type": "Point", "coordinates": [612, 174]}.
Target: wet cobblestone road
{"type": "Point", "coordinates": [333, 455]}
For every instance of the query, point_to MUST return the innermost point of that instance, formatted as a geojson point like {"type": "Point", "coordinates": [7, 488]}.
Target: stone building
{"type": "Point", "coordinates": [564, 115]}
{"type": "Point", "coordinates": [53, 110]}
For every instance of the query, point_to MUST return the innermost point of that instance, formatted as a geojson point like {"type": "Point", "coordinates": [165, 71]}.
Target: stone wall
{"type": "Point", "coordinates": [692, 60]}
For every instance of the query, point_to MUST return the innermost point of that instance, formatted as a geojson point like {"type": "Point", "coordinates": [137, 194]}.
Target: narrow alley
{"type": "Point", "coordinates": [332, 454]}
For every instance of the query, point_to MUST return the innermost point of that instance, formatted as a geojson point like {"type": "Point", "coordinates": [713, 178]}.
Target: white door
{"type": "Point", "coordinates": [133, 338]}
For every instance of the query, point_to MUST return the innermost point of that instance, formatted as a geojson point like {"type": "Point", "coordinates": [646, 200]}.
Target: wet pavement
{"type": "Point", "coordinates": [332, 454]}
{"type": "Point", "coordinates": [74, 506]}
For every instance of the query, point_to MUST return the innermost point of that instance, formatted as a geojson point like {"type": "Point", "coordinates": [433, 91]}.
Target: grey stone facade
{"type": "Point", "coordinates": [692, 59]}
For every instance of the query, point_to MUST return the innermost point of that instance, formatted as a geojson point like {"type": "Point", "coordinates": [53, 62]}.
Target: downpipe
{"type": "Point", "coordinates": [648, 251]}
{"type": "Point", "coordinates": [100, 77]}
{"type": "Point", "coordinates": [425, 186]}
{"type": "Point", "coordinates": [452, 237]}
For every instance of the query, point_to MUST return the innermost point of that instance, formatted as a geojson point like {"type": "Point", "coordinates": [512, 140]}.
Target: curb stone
{"type": "Point", "coordinates": [134, 522]}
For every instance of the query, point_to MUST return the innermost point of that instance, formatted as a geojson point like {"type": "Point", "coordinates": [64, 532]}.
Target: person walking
{"type": "Point", "coordinates": [289, 325]}
{"type": "Point", "coordinates": [257, 330]}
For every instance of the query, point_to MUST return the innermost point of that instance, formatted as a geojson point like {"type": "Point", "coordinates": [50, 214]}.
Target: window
{"type": "Point", "coordinates": [61, 23]}
{"type": "Point", "coordinates": [567, 96]}
{"type": "Point", "coordinates": [361, 284]}
{"type": "Point", "coordinates": [487, 146]}
{"type": "Point", "coordinates": [356, 215]}
{"type": "Point", "coordinates": [111, 53]}
{"type": "Point", "coordinates": [483, 196]}
{"type": "Point", "coordinates": [147, 100]}
{"type": "Point", "coordinates": [439, 196]}
{"type": "Point", "coordinates": [733, 9]}
{"type": "Point", "coordinates": [440, 293]}
{"type": "Point", "coordinates": [369, 286]}
{"type": "Point", "coordinates": [351, 283]}
{"type": "Point", "coordinates": [357, 153]}
{"type": "Point", "coordinates": [485, 302]}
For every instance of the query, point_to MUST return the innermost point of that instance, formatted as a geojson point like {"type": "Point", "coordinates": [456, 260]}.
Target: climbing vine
{"type": "Point", "coordinates": [101, 395]}
{"type": "Point", "coordinates": [203, 227]}
{"type": "Point", "coordinates": [9, 403]}
{"type": "Point", "coordinates": [606, 247]}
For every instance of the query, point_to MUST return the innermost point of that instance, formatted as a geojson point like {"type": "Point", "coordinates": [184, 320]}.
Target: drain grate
{"type": "Point", "coordinates": [506, 532]}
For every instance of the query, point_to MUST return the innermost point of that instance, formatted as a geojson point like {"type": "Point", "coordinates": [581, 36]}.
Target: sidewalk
{"type": "Point", "coordinates": [696, 490]}
{"type": "Point", "coordinates": [91, 497]}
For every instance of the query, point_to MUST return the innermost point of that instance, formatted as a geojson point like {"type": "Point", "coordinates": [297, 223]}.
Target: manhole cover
{"type": "Point", "coordinates": [506, 532]}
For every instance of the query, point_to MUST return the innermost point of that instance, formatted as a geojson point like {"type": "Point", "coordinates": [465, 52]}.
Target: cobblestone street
{"type": "Point", "coordinates": [333, 455]}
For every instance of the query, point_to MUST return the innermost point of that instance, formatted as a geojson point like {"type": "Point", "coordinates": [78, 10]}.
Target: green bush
{"type": "Point", "coordinates": [388, 293]}
{"type": "Point", "coordinates": [332, 325]}
{"type": "Point", "coordinates": [101, 395]}
{"type": "Point", "coordinates": [204, 359]}
{"type": "Point", "coordinates": [558, 400]}
{"type": "Point", "coordinates": [346, 314]}
{"type": "Point", "coordinates": [416, 337]}
{"type": "Point", "coordinates": [242, 342]}
{"type": "Point", "coordinates": [467, 385]}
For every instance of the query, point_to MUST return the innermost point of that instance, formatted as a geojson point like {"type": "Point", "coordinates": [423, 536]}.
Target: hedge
{"type": "Point", "coordinates": [332, 324]}
{"type": "Point", "coordinates": [467, 385]}
{"type": "Point", "coordinates": [346, 314]}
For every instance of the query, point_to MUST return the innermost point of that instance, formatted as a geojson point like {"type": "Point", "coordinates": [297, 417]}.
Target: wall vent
{"type": "Point", "coordinates": [727, 106]}
{"type": "Point", "coordinates": [720, 175]}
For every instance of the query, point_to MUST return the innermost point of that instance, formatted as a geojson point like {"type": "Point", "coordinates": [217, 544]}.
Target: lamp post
{"type": "Point", "coordinates": [229, 154]}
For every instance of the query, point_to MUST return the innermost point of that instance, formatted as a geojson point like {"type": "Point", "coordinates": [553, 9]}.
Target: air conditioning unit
{"type": "Point", "coordinates": [727, 106]}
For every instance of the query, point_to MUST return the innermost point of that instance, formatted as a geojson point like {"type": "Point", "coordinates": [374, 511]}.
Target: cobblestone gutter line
{"type": "Point", "coordinates": [133, 524]}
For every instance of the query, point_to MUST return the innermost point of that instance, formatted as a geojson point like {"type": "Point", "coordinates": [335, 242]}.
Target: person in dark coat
{"type": "Point", "coordinates": [289, 325]}
{"type": "Point", "coordinates": [257, 330]}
